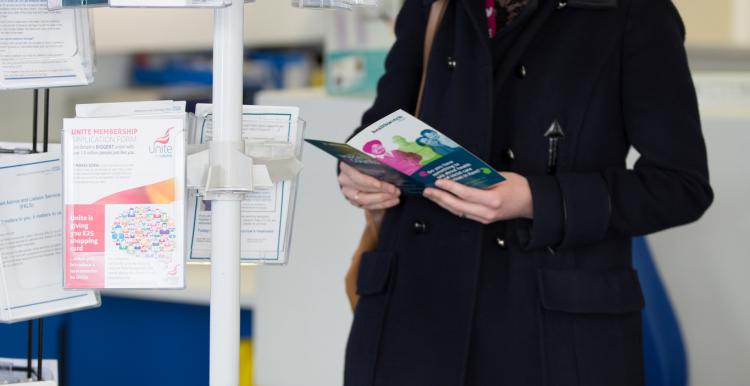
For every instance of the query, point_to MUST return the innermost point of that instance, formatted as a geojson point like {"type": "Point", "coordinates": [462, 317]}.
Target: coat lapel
{"type": "Point", "coordinates": [534, 24]}
{"type": "Point", "coordinates": [478, 19]}
{"type": "Point", "coordinates": [511, 60]}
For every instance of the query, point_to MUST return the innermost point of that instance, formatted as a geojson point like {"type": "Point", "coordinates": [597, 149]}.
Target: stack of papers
{"type": "Point", "coordinates": [31, 245]}
{"type": "Point", "coordinates": [124, 195]}
{"type": "Point", "coordinates": [41, 48]}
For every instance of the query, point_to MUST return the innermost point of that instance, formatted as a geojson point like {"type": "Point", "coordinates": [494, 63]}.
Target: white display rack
{"type": "Point", "coordinates": [228, 58]}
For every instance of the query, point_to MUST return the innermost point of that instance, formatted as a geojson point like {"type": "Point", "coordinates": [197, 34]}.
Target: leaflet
{"type": "Point", "coordinates": [267, 214]}
{"type": "Point", "coordinates": [124, 202]}
{"type": "Point", "coordinates": [41, 48]}
{"type": "Point", "coordinates": [402, 150]}
{"type": "Point", "coordinates": [130, 109]}
{"type": "Point", "coordinates": [31, 245]}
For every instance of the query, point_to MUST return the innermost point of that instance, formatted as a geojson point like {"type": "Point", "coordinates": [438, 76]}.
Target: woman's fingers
{"type": "Point", "coordinates": [362, 182]}
{"type": "Point", "coordinates": [383, 205]}
{"type": "Point", "coordinates": [369, 200]}
{"type": "Point", "coordinates": [488, 198]}
{"type": "Point", "coordinates": [457, 206]}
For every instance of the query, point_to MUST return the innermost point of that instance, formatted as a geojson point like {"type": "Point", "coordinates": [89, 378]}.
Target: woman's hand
{"type": "Point", "coordinates": [367, 192]}
{"type": "Point", "coordinates": [507, 200]}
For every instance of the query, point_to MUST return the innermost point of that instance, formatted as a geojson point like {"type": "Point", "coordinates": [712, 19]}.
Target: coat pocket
{"type": "Point", "coordinates": [374, 271]}
{"type": "Point", "coordinates": [591, 327]}
{"type": "Point", "coordinates": [373, 280]}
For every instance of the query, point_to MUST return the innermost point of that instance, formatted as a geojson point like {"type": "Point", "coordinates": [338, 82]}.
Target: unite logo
{"type": "Point", "coordinates": [161, 146]}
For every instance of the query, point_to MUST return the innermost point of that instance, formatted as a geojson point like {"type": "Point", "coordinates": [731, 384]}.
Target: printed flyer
{"type": "Point", "coordinates": [41, 48]}
{"type": "Point", "coordinates": [31, 243]}
{"type": "Point", "coordinates": [402, 150]}
{"type": "Point", "coordinates": [267, 214]}
{"type": "Point", "coordinates": [124, 202]}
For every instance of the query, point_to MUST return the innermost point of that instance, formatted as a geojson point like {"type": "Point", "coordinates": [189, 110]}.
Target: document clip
{"type": "Point", "coordinates": [220, 169]}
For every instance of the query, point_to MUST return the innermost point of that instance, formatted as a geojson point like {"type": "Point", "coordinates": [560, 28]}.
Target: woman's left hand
{"type": "Point", "coordinates": [507, 200]}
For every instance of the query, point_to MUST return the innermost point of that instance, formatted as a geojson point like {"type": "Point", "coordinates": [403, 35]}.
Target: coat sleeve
{"type": "Point", "coordinates": [669, 184]}
{"type": "Point", "coordinates": [399, 86]}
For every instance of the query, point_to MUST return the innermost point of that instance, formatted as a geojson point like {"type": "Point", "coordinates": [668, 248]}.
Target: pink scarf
{"type": "Point", "coordinates": [491, 12]}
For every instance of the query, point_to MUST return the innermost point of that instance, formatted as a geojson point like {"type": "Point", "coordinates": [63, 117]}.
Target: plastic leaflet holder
{"type": "Point", "coordinates": [364, 3]}
{"type": "Point", "coordinates": [31, 245]}
{"type": "Point", "coordinates": [13, 371]}
{"type": "Point", "coordinates": [124, 196]}
{"type": "Point", "coordinates": [41, 48]}
{"type": "Point", "coordinates": [169, 3]}
{"type": "Point", "coordinates": [322, 4]}
{"type": "Point", "coordinates": [60, 4]}
{"type": "Point", "coordinates": [272, 138]}
{"type": "Point", "coordinates": [334, 4]}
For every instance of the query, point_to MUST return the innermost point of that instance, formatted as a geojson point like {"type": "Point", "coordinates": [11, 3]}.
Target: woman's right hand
{"type": "Point", "coordinates": [367, 192]}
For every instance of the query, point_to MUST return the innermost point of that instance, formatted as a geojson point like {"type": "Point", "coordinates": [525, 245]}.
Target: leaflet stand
{"type": "Point", "coordinates": [40, 322]}
{"type": "Point", "coordinates": [224, 351]}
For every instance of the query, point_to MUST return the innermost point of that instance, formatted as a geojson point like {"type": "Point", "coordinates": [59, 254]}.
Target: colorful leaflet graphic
{"type": "Point", "coordinates": [157, 193]}
{"type": "Point", "coordinates": [145, 232]}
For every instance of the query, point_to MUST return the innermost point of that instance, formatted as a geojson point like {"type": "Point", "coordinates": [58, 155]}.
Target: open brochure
{"type": "Point", "coordinates": [402, 150]}
{"type": "Point", "coordinates": [31, 244]}
{"type": "Point", "coordinates": [124, 196]}
{"type": "Point", "coordinates": [41, 48]}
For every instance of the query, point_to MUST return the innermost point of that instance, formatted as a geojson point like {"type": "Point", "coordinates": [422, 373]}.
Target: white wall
{"type": "Point", "coordinates": [302, 318]}
{"type": "Point", "coordinates": [706, 264]}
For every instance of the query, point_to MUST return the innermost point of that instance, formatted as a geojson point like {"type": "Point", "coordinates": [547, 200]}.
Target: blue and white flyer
{"type": "Point", "coordinates": [31, 240]}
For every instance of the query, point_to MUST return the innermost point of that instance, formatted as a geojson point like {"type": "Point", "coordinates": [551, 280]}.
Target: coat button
{"type": "Point", "coordinates": [451, 63]}
{"type": "Point", "coordinates": [501, 243]}
{"type": "Point", "coordinates": [521, 71]}
{"type": "Point", "coordinates": [419, 227]}
{"type": "Point", "coordinates": [509, 156]}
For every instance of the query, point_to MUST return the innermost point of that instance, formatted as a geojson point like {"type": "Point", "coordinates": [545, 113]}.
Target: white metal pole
{"type": "Point", "coordinates": [225, 232]}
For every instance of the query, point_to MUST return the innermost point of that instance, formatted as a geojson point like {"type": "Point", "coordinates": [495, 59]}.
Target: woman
{"type": "Point", "coordinates": [529, 282]}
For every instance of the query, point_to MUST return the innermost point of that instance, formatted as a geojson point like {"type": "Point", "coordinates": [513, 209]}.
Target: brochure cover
{"type": "Point", "coordinates": [402, 150]}
{"type": "Point", "coordinates": [124, 202]}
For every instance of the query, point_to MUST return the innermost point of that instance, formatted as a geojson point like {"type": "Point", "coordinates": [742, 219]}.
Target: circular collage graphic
{"type": "Point", "coordinates": [144, 231]}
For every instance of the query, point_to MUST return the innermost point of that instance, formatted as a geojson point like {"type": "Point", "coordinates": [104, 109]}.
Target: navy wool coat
{"type": "Point", "coordinates": [614, 74]}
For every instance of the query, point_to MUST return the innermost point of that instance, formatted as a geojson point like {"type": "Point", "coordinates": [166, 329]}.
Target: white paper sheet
{"type": "Point", "coordinates": [41, 48]}
{"type": "Point", "coordinates": [129, 109]}
{"type": "Point", "coordinates": [31, 226]}
{"type": "Point", "coordinates": [264, 220]}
